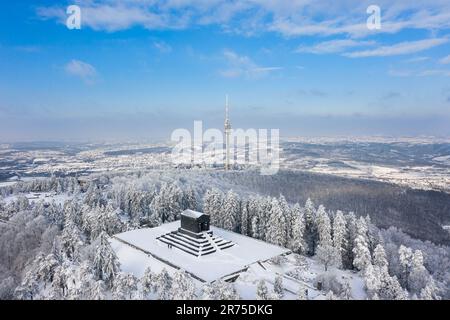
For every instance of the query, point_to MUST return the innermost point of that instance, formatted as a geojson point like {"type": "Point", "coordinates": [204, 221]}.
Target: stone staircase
{"type": "Point", "coordinates": [206, 243]}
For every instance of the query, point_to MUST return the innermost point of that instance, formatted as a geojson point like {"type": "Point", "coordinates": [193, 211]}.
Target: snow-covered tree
{"type": "Point", "coordinates": [125, 286]}
{"type": "Point", "coordinates": [189, 200]}
{"type": "Point", "coordinates": [361, 253]}
{"type": "Point", "coordinates": [262, 293]}
{"type": "Point", "coordinates": [278, 289]}
{"type": "Point", "coordinates": [327, 255]}
{"type": "Point", "coordinates": [339, 237]}
{"type": "Point", "coordinates": [106, 264]}
{"type": "Point", "coordinates": [183, 288]}
{"type": "Point", "coordinates": [212, 205]}
{"type": "Point", "coordinates": [98, 291]}
{"type": "Point", "coordinates": [430, 292]}
{"type": "Point", "coordinates": [245, 219]}
{"type": "Point", "coordinates": [310, 227]}
{"type": "Point", "coordinates": [405, 256]}
{"type": "Point", "coordinates": [325, 252]}
{"type": "Point", "coordinates": [164, 284]}
{"type": "Point", "coordinates": [148, 282]}
{"type": "Point", "coordinates": [298, 244]}
{"type": "Point", "coordinates": [231, 211]}
{"type": "Point", "coordinates": [419, 275]}
{"type": "Point", "coordinates": [379, 257]}
{"type": "Point", "coordinates": [276, 232]}
{"type": "Point", "coordinates": [71, 240]}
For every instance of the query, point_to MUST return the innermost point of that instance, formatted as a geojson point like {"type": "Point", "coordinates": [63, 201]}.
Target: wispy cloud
{"type": "Point", "coordinates": [417, 59]}
{"type": "Point", "coordinates": [162, 46]}
{"type": "Point", "coordinates": [286, 17]}
{"type": "Point", "coordinates": [435, 72]}
{"type": "Point", "coordinates": [403, 48]}
{"type": "Point", "coordinates": [334, 46]}
{"type": "Point", "coordinates": [82, 70]}
{"type": "Point", "coordinates": [445, 60]}
{"type": "Point", "coordinates": [243, 66]}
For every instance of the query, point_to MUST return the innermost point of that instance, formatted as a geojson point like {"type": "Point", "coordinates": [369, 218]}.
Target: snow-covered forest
{"type": "Point", "coordinates": [54, 240]}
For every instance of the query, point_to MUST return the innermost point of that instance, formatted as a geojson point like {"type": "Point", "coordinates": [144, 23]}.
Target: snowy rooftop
{"type": "Point", "coordinates": [192, 214]}
{"type": "Point", "coordinates": [222, 263]}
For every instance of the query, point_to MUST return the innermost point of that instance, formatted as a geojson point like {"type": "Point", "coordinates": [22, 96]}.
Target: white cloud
{"type": "Point", "coordinates": [162, 47]}
{"type": "Point", "coordinates": [82, 70]}
{"type": "Point", "coordinates": [417, 59]}
{"type": "Point", "coordinates": [243, 66]}
{"type": "Point", "coordinates": [445, 60]}
{"type": "Point", "coordinates": [333, 46]}
{"type": "Point", "coordinates": [402, 48]}
{"type": "Point", "coordinates": [436, 72]}
{"type": "Point", "coordinates": [287, 17]}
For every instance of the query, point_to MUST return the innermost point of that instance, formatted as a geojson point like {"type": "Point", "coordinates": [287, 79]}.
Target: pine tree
{"type": "Point", "coordinates": [71, 240]}
{"type": "Point", "coordinates": [379, 257]}
{"type": "Point", "coordinates": [98, 291]}
{"type": "Point", "coordinates": [189, 199]}
{"type": "Point", "coordinates": [225, 291]}
{"type": "Point", "coordinates": [125, 286]}
{"type": "Point", "coordinates": [148, 282]}
{"type": "Point", "coordinates": [298, 244]}
{"type": "Point", "coordinates": [310, 227]}
{"type": "Point", "coordinates": [231, 211]}
{"type": "Point", "coordinates": [339, 237]}
{"type": "Point", "coordinates": [326, 252]}
{"type": "Point", "coordinates": [350, 237]}
{"type": "Point", "coordinates": [405, 256]}
{"type": "Point", "coordinates": [245, 222]}
{"type": "Point", "coordinates": [430, 292]}
{"type": "Point", "coordinates": [276, 229]}
{"type": "Point", "coordinates": [106, 263]}
{"type": "Point", "coordinates": [419, 275]}
{"type": "Point", "coordinates": [164, 285]}
{"type": "Point", "coordinates": [362, 254]}
{"type": "Point", "coordinates": [212, 205]}
{"type": "Point", "coordinates": [262, 293]}
{"type": "Point", "coordinates": [278, 289]}
{"type": "Point", "coordinates": [183, 287]}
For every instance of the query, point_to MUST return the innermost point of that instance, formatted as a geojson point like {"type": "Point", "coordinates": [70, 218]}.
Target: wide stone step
{"type": "Point", "coordinates": [181, 242]}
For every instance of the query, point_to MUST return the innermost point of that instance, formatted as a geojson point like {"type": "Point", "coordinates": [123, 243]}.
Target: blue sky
{"type": "Point", "coordinates": [139, 69]}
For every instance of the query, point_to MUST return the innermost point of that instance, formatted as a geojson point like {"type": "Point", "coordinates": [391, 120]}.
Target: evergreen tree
{"type": "Point", "coordinates": [276, 228]}
{"type": "Point", "coordinates": [339, 237]}
{"type": "Point", "coordinates": [106, 263]}
{"type": "Point", "coordinates": [212, 205]}
{"type": "Point", "coordinates": [310, 227]}
{"type": "Point", "coordinates": [262, 293]}
{"type": "Point", "coordinates": [125, 286]}
{"type": "Point", "coordinates": [278, 289]}
{"type": "Point", "coordinates": [231, 211]}
{"type": "Point", "coordinates": [148, 284]}
{"type": "Point", "coordinates": [379, 257]}
{"type": "Point", "coordinates": [98, 291]}
{"type": "Point", "coordinates": [298, 244]}
{"type": "Point", "coordinates": [164, 285]}
{"type": "Point", "coordinates": [183, 287]}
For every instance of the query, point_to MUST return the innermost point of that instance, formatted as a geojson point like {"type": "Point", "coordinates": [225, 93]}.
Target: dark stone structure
{"type": "Point", "coordinates": [194, 222]}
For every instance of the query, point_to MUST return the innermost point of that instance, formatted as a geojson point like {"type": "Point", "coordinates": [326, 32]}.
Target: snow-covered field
{"type": "Point", "coordinates": [47, 197]}
{"type": "Point", "coordinates": [222, 263]}
{"type": "Point", "coordinates": [298, 273]}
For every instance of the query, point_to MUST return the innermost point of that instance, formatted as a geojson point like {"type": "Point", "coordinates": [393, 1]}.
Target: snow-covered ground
{"type": "Point", "coordinates": [295, 276]}
{"type": "Point", "coordinates": [222, 263]}
{"type": "Point", "coordinates": [298, 272]}
{"type": "Point", "coordinates": [47, 197]}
